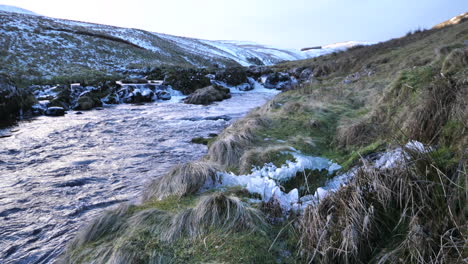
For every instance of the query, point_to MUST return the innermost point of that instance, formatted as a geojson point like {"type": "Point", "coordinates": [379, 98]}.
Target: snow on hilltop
{"type": "Point", "coordinates": [335, 47]}
{"type": "Point", "coordinates": [14, 9]}
{"type": "Point", "coordinates": [46, 46]}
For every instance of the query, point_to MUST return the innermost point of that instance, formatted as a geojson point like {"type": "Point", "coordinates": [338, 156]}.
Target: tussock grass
{"type": "Point", "coordinates": [215, 212]}
{"type": "Point", "coordinates": [235, 140]}
{"type": "Point", "coordinates": [410, 214]}
{"type": "Point", "coordinates": [181, 180]}
{"type": "Point", "coordinates": [155, 236]}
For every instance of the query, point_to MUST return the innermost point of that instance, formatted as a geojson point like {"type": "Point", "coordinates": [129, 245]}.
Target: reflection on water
{"type": "Point", "coordinates": [56, 174]}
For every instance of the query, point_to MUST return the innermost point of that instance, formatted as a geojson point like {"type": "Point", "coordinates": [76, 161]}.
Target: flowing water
{"type": "Point", "coordinates": [58, 173]}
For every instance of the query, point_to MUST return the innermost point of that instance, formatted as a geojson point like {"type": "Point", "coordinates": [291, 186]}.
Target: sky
{"type": "Point", "coordinates": [280, 23]}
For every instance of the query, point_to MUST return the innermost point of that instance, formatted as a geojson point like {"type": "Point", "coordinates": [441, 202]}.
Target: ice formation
{"type": "Point", "coordinates": [266, 181]}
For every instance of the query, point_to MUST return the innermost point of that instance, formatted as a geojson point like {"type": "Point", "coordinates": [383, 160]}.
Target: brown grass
{"type": "Point", "coordinates": [181, 180]}
{"type": "Point", "coordinates": [235, 140]}
{"type": "Point", "coordinates": [411, 214]}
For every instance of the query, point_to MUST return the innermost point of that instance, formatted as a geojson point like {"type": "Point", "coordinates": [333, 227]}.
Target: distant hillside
{"type": "Point", "coordinates": [453, 21]}
{"type": "Point", "coordinates": [14, 9]}
{"type": "Point", "coordinates": [44, 46]}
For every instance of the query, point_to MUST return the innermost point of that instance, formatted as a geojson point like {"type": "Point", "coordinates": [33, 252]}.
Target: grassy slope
{"type": "Point", "coordinates": [413, 215]}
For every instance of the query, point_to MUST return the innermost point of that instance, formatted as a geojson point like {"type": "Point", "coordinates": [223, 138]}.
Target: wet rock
{"type": "Point", "coordinates": [306, 74]}
{"type": "Point", "coordinates": [186, 80]}
{"type": "Point", "coordinates": [39, 109]}
{"type": "Point", "coordinates": [111, 99]}
{"type": "Point", "coordinates": [163, 95]}
{"type": "Point", "coordinates": [232, 76]}
{"type": "Point", "coordinates": [63, 97]}
{"type": "Point", "coordinates": [55, 111]}
{"type": "Point", "coordinates": [208, 95]}
{"type": "Point", "coordinates": [257, 71]}
{"type": "Point", "coordinates": [278, 80]}
{"type": "Point", "coordinates": [245, 87]}
{"type": "Point", "coordinates": [221, 117]}
{"type": "Point", "coordinates": [136, 94]}
{"type": "Point", "coordinates": [87, 101]}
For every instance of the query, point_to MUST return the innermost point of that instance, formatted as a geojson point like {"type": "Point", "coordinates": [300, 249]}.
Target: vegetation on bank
{"type": "Point", "coordinates": [359, 102]}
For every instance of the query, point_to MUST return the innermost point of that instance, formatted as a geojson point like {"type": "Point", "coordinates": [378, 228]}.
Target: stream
{"type": "Point", "coordinates": [58, 173]}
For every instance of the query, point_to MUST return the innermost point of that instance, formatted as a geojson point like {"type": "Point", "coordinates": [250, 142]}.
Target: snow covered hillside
{"type": "Point", "coordinates": [14, 9]}
{"type": "Point", "coordinates": [330, 48]}
{"type": "Point", "coordinates": [34, 45]}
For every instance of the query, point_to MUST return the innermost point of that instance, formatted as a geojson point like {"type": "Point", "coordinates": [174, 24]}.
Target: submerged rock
{"type": "Point", "coordinates": [208, 95]}
{"type": "Point", "coordinates": [163, 95]}
{"type": "Point", "coordinates": [245, 87]}
{"type": "Point", "coordinates": [55, 111]}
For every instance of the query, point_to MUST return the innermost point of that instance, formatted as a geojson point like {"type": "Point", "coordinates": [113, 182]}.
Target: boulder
{"type": "Point", "coordinates": [257, 71]}
{"type": "Point", "coordinates": [63, 97]}
{"type": "Point", "coordinates": [111, 99]}
{"type": "Point", "coordinates": [87, 101]}
{"type": "Point", "coordinates": [232, 76]}
{"type": "Point", "coordinates": [186, 80]}
{"type": "Point", "coordinates": [208, 95]}
{"type": "Point", "coordinates": [163, 95]}
{"type": "Point", "coordinates": [306, 74]}
{"type": "Point", "coordinates": [55, 111]}
{"type": "Point", "coordinates": [135, 94]}
{"type": "Point", "coordinates": [245, 87]}
{"type": "Point", "coordinates": [278, 80]}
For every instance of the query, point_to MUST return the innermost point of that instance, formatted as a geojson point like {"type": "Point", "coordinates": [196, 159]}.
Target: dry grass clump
{"type": "Point", "coordinates": [411, 214]}
{"type": "Point", "coordinates": [356, 133]}
{"type": "Point", "coordinates": [235, 140]}
{"type": "Point", "coordinates": [216, 212]}
{"type": "Point", "coordinates": [456, 60]}
{"type": "Point", "coordinates": [425, 121]}
{"type": "Point", "coordinates": [181, 180]}
{"type": "Point", "coordinates": [154, 236]}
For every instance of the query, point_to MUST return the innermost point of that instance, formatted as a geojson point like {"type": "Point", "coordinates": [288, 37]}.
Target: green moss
{"type": "Point", "coordinates": [170, 204]}
{"type": "Point", "coordinates": [204, 141]}
{"type": "Point", "coordinates": [349, 160]}
{"type": "Point", "coordinates": [307, 181]}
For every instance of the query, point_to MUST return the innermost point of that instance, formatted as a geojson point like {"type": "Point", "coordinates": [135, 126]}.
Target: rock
{"type": "Point", "coordinates": [163, 95]}
{"type": "Point", "coordinates": [111, 99]}
{"type": "Point", "coordinates": [87, 101]}
{"type": "Point", "coordinates": [208, 95]}
{"type": "Point", "coordinates": [63, 98]}
{"type": "Point", "coordinates": [278, 80]}
{"type": "Point", "coordinates": [221, 117]}
{"type": "Point", "coordinates": [78, 113]}
{"type": "Point", "coordinates": [55, 111]}
{"type": "Point", "coordinates": [186, 80]}
{"type": "Point", "coordinates": [306, 74]}
{"type": "Point", "coordinates": [136, 94]}
{"type": "Point", "coordinates": [257, 71]}
{"type": "Point", "coordinates": [232, 76]}
{"type": "Point", "coordinates": [245, 87]}
{"type": "Point", "coordinates": [38, 109]}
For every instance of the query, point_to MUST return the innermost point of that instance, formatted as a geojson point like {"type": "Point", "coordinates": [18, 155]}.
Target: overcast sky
{"type": "Point", "coordinates": [281, 23]}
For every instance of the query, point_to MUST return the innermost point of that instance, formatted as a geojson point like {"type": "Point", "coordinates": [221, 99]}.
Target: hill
{"type": "Point", "coordinates": [14, 9]}
{"type": "Point", "coordinates": [37, 46]}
